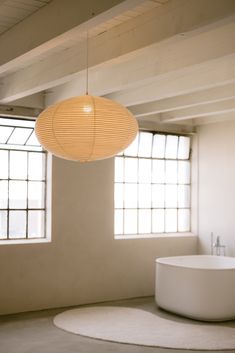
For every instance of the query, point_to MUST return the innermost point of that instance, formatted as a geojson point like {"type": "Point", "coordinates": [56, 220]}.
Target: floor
{"type": "Point", "coordinates": [34, 332]}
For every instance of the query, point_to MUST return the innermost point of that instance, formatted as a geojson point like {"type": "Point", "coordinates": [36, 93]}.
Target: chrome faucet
{"type": "Point", "coordinates": [216, 247]}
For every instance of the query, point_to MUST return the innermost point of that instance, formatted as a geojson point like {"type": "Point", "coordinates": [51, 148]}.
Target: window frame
{"type": "Point", "coordinates": [138, 234]}
{"type": "Point", "coordinates": [27, 149]}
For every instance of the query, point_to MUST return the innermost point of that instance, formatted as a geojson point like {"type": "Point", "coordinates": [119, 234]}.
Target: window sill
{"type": "Point", "coordinates": [156, 235]}
{"type": "Point", "coordinates": [25, 241]}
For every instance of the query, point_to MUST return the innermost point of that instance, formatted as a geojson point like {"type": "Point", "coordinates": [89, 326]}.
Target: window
{"type": "Point", "coordinates": [22, 182]}
{"type": "Point", "coordinates": [152, 185]}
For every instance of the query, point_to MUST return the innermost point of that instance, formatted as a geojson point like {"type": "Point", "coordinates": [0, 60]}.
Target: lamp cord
{"type": "Point", "coordinates": [87, 55]}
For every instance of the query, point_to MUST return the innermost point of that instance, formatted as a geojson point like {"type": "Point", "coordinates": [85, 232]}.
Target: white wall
{"type": "Point", "coordinates": [217, 185]}
{"type": "Point", "coordinates": [83, 263]}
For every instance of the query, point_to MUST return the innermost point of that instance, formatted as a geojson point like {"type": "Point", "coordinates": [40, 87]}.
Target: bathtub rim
{"type": "Point", "coordinates": [163, 261]}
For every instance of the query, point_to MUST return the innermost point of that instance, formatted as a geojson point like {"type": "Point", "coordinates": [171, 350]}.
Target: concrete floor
{"type": "Point", "coordinates": [34, 332]}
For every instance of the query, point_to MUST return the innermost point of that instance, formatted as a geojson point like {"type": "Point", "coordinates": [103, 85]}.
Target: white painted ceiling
{"type": "Point", "coordinates": [171, 62]}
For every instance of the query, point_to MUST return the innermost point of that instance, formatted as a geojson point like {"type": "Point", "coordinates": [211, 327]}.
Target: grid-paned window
{"type": "Point", "coordinates": [152, 185]}
{"type": "Point", "coordinates": [22, 181]}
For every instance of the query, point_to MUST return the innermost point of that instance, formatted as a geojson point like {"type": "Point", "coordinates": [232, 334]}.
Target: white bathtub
{"type": "Point", "coordinates": [201, 287]}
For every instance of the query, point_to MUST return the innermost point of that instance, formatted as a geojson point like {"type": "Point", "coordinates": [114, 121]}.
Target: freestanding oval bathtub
{"type": "Point", "coordinates": [200, 287]}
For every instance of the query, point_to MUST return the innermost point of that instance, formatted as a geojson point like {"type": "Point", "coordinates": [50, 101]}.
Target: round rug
{"type": "Point", "coordinates": [140, 327]}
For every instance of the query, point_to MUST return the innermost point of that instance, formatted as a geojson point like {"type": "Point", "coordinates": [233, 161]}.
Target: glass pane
{"type": "Point", "coordinates": [171, 172]}
{"type": "Point", "coordinates": [118, 195]}
{"type": "Point", "coordinates": [132, 150]}
{"type": "Point", "coordinates": [158, 196]}
{"type": "Point", "coordinates": [17, 194]}
{"type": "Point", "coordinates": [3, 224]}
{"type": "Point", "coordinates": [144, 196]}
{"type": "Point", "coordinates": [118, 222]}
{"type": "Point", "coordinates": [36, 194]}
{"type": "Point", "coordinates": [17, 224]}
{"type": "Point", "coordinates": [183, 220]}
{"type": "Point", "coordinates": [145, 170]}
{"type": "Point", "coordinates": [159, 142]}
{"type": "Point", "coordinates": [118, 169]}
{"type": "Point", "coordinates": [19, 136]}
{"type": "Point", "coordinates": [131, 169]}
{"type": "Point", "coordinates": [144, 219]}
{"type": "Point", "coordinates": [145, 144]}
{"type": "Point", "coordinates": [183, 172]}
{"type": "Point", "coordinates": [130, 222]}
{"type": "Point", "coordinates": [17, 122]}
{"type": "Point", "coordinates": [184, 147]}
{"type": "Point", "coordinates": [5, 133]}
{"type": "Point", "coordinates": [36, 166]}
{"type": "Point", "coordinates": [171, 220]}
{"type": "Point", "coordinates": [4, 165]}
{"type": "Point", "coordinates": [36, 223]}
{"type": "Point", "coordinates": [171, 196]}
{"type": "Point", "coordinates": [18, 165]}
{"type": "Point", "coordinates": [33, 141]}
{"type": "Point", "coordinates": [183, 196]}
{"type": "Point", "coordinates": [158, 221]}
{"type": "Point", "coordinates": [171, 146]}
{"type": "Point", "coordinates": [3, 194]}
{"type": "Point", "coordinates": [158, 173]}
{"type": "Point", "coordinates": [130, 195]}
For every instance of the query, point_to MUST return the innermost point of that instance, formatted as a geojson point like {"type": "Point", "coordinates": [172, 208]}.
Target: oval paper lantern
{"type": "Point", "coordinates": [86, 128]}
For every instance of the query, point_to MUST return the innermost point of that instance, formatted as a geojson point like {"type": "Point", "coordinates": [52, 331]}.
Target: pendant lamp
{"type": "Point", "coordinates": [86, 128]}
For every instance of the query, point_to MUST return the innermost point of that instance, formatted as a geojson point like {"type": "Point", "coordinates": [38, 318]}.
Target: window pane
{"type": "Point", "coordinates": [171, 220]}
{"type": "Point", "coordinates": [36, 166]}
{"type": "Point", "coordinates": [19, 136]}
{"type": "Point", "coordinates": [158, 221]}
{"type": "Point", "coordinates": [130, 195]}
{"type": "Point", "coordinates": [130, 221]}
{"type": "Point", "coordinates": [17, 122]}
{"type": "Point", "coordinates": [184, 147]}
{"type": "Point", "coordinates": [145, 144]}
{"type": "Point", "coordinates": [158, 196]}
{"type": "Point", "coordinates": [183, 196]}
{"type": "Point", "coordinates": [183, 220]}
{"type": "Point", "coordinates": [18, 165]}
{"type": "Point", "coordinates": [17, 194]}
{"type": "Point", "coordinates": [33, 141]}
{"type": "Point", "coordinates": [159, 142]}
{"type": "Point", "coordinates": [131, 168]}
{"type": "Point", "coordinates": [5, 133]}
{"type": "Point", "coordinates": [4, 164]}
{"type": "Point", "coordinates": [118, 195]}
{"type": "Point", "coordinates": [3, 194]}
{"type": "Point", "coordinates": [144, 195]}
{"type": "Point", "coordinates": [119, 173]}
{"type": "Point", "coordinates": [3, 224]}
{"type": "Point", "coordinates": [158, 172]}
{"type": "Point", "coordinates": [171, 193]}
{"type": "Point", "coordinates": [36, 224]}
{"type": "Point", "coordinates": [145, 170]}
{"type": "Point", "coordinates": [132, 150]}
{"type": "Point", "coordinates": [17, 224]}
{"type": "Point", "coordinates": [118, 222]}
{"type": "Point", "coordinates": [171, 172]}
{"type": "Point", "coordinates": [171, 146]}
{"type": "Point", "coordinates": [183, 172]}
{"type": "Point", "coordinates": [36, 194]}
{"type": "Point", "coordinates": [144, 219]}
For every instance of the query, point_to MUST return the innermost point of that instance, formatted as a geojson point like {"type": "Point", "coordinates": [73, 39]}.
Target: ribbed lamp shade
{"type": "Point", "coordinates": [86, 128]}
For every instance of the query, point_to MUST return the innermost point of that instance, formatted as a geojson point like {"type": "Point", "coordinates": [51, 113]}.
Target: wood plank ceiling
{"type": "Point", "coordinates": [171, 62]}
{"type": "Point", "coordinates": [14, 11]}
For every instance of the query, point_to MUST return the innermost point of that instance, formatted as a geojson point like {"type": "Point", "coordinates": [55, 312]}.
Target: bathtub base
{"type": "Point", "coordinates": [197, 287]}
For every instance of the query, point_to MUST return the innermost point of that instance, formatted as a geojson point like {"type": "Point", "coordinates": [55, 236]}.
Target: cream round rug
{"type": "Point", "coordinates": [140, 327]}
